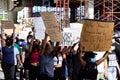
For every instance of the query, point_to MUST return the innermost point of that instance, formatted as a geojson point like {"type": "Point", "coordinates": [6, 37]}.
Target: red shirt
{"type": "Point", "coordinates": [34, 57]}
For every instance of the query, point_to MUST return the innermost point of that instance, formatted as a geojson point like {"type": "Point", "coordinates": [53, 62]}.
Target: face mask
{"type": "Point", "coordinates": [29, 40]}
{"type": "Point", "coordinates": [113, 47]}
{"type": "Point", "coordinates": [93, 60]}
{"type": "Point", "coordinates": [113, 40]}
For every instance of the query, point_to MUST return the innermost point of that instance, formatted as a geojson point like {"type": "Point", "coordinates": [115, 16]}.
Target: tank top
{"type": "Point", "coordinates": [34, 57]}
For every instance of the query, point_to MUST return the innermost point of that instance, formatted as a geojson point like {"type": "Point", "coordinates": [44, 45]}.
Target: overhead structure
{"type": "Point", "coordinates": [108, 10]}
{"type": "Point", "coordinates": [66, 14]}
{"type": "Point", "coordinates": [62, 6]}
{"type": "Point", "coordinates": [59, 4]}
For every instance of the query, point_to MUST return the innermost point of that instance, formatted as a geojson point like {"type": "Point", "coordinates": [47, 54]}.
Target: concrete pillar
{"type": "Point", "coordinates": [89, 9]}
{"type": "Point", "coordinates": [12, 15]}
{"type": "Point", "coordinates": [3, 15]}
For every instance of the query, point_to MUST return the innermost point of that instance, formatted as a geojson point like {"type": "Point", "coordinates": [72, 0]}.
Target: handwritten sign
{"type": "Point", "coordinates": [52, 26]}
{"type": "Point", "coordinates": [39, 27]}
{"type": "Point", "coordinates": [28, 22]}
{"type": "Point", "coordinates": [7, 24]}
{"type": "Point", "coordinates": [96, 35]}
{"type": "Point", "coordinates": [67, 37]}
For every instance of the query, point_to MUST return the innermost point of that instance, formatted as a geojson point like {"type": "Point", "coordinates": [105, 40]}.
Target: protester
{"type": "Point", "coordinates": [89, 64]}
{"type": "Point", "coordinates": [33, 56]}
{"type": "Point", "coordinates": [117, 50]}
{"type": "Point", "coordinates": [113, 66]}
{"type": "Point", "coordinates": [46, 62]}
{"type": "Point", "coordinates": [58, 63]}
{"type": "Point", "coordinates": [102, 67]}
{"type": "Point", "coordinates": [25, 57]}
{"type": "Point", "coordinates": [9, 55]}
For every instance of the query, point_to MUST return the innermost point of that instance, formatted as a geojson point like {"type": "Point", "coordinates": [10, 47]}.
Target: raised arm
{"type": "Point", "coordinates": [43, 45]}
{"type": "Point", "coordinates": [56, 48]}
{"type": "Point", "coordinates": [82, 62]}
{"type": "Point", "coordinates": [13, 36]}
{"type": "Point", "coordinates": [2, 39]}
{"type": "Point", "coordinates": [31, 44]}
{"type": "Point", "coordinates": [67, 50]}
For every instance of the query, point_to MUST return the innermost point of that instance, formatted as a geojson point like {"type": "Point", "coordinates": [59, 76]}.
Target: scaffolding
{"type": "Point", "coordinates": [65, 15]}
{"type": "Point", "coordinates": [59, 12]}
{"type": "Point", "coordinates": [108, 10]}
{"type": "Point", "coordinates": [59, 9]}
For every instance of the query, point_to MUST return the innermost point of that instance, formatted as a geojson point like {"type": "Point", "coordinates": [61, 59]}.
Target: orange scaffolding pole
{"type": "Point", "coordinates": [66, 14]}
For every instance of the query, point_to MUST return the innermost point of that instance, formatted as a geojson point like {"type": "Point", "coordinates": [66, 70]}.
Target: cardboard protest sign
{"type": "Point", "coordinates": [28, 22]}
{"type": "Point", "coordinates": [39, 27]}
{"type": "Point", "coordinates": [7, 24]}
{"type": "Point", "coordinates": [96, 35]}
{"type": "Point", "coordinates": [51, 25]}
{"type": "Point", "coordinates": [67, 37]}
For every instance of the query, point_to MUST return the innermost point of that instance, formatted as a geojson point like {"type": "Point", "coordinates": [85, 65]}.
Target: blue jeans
{"type": "Point", "coordinates": [112, 73]}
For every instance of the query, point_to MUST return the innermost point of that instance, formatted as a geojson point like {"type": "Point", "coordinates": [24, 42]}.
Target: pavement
{"type": "Point", "coordinates": [1, 74]}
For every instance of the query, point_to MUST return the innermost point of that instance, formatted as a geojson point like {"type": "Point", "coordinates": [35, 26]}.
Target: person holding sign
{"type": "Point", "coordinates": [112, 65]}
{"type": "Point", "coordinates": [46, 62]}
{"type": "Point", "coordinates": [89, 64]}
{"type": "Point", "coordinates": [10, 55]}
{"type": "Point", "coordinates": [33, 56]}
{"type": "Point", "coordinates": [117, 50]}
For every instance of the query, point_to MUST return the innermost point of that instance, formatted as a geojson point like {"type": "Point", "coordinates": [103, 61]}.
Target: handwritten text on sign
{"type": "Point", "coordinates": [7, 24]}
{"type": "Point", "coordinates": [51, 25]}
{"type": "Point", "coordinates": [96, 35]}
{"type": "Point", "coordinates": [67, 36]}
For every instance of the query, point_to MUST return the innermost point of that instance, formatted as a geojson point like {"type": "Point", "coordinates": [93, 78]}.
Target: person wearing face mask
{"type": "Point", "coordinates": [117, 50]}
{"type": "Point", "coordinates": [25, 57]}
{"type": "Point", "coordinates": [113, 66]}
{"type": "Point", "coordinates": [89, 64]}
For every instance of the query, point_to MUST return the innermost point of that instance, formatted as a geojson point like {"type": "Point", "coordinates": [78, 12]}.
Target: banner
{"type": "Point", "coordinates": [52, 26]}
{"type": "Point", "coordinates": [96, 35]}
{"type": "Point", "coordinates": [7, 24]}
{"type": "Point", "coordinates": [39, 27]}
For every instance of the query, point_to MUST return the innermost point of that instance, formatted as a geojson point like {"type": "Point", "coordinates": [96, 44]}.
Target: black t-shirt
{"type": "Point", "coordinates": [117, 51]}
{"type": "Point", "coordinates": [90, 71]}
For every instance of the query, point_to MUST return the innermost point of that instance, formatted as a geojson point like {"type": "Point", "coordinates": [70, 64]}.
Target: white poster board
{"type": "Point", "coordinates": [76, 29]}
{"type": "Point", "coordinates": [67, 37]}
{"type": "Point", "coordinates": [39, 27]}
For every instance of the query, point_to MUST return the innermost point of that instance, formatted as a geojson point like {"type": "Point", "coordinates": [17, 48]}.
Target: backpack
{"type": "Point", "coordinates": [90, 71]}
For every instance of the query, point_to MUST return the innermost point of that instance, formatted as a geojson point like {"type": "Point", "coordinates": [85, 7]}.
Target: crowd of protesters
{"type": "Point", "coordinates": [46, 60]}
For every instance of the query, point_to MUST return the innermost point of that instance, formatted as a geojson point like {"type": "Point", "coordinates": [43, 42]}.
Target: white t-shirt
{"type": "Point", "coordinates": [58, 61]}
{"type": "Point", "coordinates": [15, 53]}
{"type": "Point", "coordinates": [100, 67]}
{"type": "Point", "coordinates": [112, 59]}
